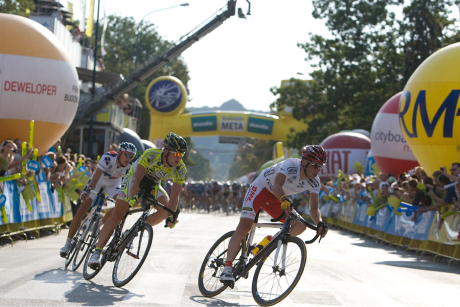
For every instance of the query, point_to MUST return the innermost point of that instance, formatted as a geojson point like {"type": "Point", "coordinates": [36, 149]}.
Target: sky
{"type": "Point", "coordinates": [243, 58]}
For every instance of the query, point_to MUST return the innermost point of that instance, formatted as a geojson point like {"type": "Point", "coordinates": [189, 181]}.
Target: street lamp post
{"type": "Point", "coordinates": [139, 25]}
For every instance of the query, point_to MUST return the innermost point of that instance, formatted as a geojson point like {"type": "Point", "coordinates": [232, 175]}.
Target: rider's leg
{"type": "Point", "coordinates": [244, 226]}
{"type": "Point", "coordinates": [107, 215]}
{"type": "Point", "coordinates": [121, 207]}
{"type": "Point", "coordinates": [241, 231]}
{"type": "Point", "coordinates": [76, 222]}
{"type": "Point", "coordinates": [297, 228]}
{"type": "Point", "coordinates": [74, 225]}
{"type": "Point", "coordinates": [161, 214]}
{"type": "Point", "coordinates": [117, 215]}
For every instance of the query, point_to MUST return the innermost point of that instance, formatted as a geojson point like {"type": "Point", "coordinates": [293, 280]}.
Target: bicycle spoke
{"type": "Point", "coordinates": [273, 282]}
{"type": "Point", "coordinates": [131, 258]}
{"type": "Point", "coordinates": [212, 267]}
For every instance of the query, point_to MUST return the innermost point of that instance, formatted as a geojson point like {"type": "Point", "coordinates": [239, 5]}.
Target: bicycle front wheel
{"type": "Point", "coordinates": [132, 255]}
{"type": "Point", "coordinates": [89, 273]}
{"type": "Point", "coordinates": [83, 244]}
{"type": "Point", "coordinates": [274, 281]}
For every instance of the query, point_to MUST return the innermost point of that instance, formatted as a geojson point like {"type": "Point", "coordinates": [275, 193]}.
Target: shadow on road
{"type": "Point", "coordinates": [96, 295]}
{"type": "Point", "coordinates": [209, 301]}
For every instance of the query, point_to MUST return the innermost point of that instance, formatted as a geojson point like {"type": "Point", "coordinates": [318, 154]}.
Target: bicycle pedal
{"type": "Point", "coordinates": [228, 283]}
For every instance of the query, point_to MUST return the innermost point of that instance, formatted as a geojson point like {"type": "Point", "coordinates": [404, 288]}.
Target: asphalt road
{"type": "Point", "coordinates": [344, 270]}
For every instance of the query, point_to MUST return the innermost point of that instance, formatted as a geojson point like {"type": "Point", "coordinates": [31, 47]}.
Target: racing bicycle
{"type": "Point", "coordinates": [280, 263]}
{"type": "Point", "coordinates": [130, 248]}
{"type": "Point", "coordinates": [87, 232]}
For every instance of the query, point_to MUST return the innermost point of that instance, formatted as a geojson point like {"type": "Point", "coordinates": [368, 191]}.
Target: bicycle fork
{"type": "Point", "coordinates": [275, 267]}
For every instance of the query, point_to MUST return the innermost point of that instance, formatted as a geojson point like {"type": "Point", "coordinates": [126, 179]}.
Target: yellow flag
{"type": "Point", "coordinates": [90, 23]}
{"type": "Point", "coordinates": [70, 9]}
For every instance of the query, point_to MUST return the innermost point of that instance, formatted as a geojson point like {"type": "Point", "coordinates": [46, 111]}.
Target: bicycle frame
{"type": "Point", "coordinates": [99, 202]}
{"type": "Point", "coordinates": [278, 239]}
{"type": "Point", "coordinates": [116, 244]}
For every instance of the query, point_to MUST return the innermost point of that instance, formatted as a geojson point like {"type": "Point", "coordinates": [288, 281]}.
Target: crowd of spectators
{"type": "Point", "coordinates": [59, 174]}
{"type": "Point", "coordinates": [416, 188]}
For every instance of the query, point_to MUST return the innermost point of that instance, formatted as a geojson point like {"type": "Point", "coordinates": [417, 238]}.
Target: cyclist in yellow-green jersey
{"type": "Point", "coordinates": [153, 166]}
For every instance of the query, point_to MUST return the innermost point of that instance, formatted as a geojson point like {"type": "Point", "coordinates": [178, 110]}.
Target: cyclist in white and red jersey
{"type": "Point", "coordinates": [270, 192]}
{"type": "Point", "coordinates": [112, 167]}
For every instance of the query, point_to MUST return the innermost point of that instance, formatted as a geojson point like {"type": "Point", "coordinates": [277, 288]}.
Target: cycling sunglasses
{"type": "Point", "coordinates": [177, 154]}
{"type": "Point", "coordinates": [128, 156]}
{"type": "Point", "coordinates": [317, 166]}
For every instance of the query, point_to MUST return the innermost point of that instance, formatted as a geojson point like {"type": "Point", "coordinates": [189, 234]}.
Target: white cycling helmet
{"type": "Point", "coordinates": [129, 147]}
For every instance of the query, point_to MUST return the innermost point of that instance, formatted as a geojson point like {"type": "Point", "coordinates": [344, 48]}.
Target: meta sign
{"type": "Point", "coordinates": [429, 109]}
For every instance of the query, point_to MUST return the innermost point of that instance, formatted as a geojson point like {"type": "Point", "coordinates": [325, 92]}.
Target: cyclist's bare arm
{"type": "Point", "coordinates": [314, 208]}
{"type": "Point", "coordinates": [138, 175]}
{"type": "Point", "coordinates": [174, 199]}
{"type": "Point", "coordinates": [278, 185]}
{"type": "Point", "coordinates": [94, 180]}
{"type": "Point", "coordinates": [278, 189]}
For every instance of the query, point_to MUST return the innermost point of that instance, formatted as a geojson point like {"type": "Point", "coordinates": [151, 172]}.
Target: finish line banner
{"type": "Point", "coordinates": [230, 140]}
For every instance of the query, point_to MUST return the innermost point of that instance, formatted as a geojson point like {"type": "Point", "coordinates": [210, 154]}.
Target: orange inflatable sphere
{"type": "Point", "coordinates": [38, 81]}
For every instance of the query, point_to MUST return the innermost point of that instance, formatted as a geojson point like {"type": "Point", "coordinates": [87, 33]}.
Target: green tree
{"type": "Point", "coordinates": [368, 59]}
{"type": "Point", "coordinates": [120, 45]}
{"type": "Point", "coordinates": [425, 29]}
{"type": "Point", "coordinates": [250, 157]}
{"type": "Point", "coordinates": [198, 166]}
{"type": "Point", "coordinates": [17, 7]}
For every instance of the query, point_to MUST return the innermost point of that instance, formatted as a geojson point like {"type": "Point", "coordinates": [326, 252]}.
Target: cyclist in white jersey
{"type": "Point", "coordinates": [269, 192]}
{"type": "Point", "coordinates": [112, 167]}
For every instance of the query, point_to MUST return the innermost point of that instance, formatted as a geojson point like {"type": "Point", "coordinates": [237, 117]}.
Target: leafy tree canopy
{"type": "Point", "coordinates": [17, 7]}
{"type": "Point", "coordinates": [368, 58]}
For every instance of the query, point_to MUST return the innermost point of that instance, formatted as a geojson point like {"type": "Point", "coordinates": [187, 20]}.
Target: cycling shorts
{"type": "Point", "coordinates": [154, 189]}
{"type": "Point", "coordinates": [111, 187]}
{"type": "Point", "coordinates": [259, 197]}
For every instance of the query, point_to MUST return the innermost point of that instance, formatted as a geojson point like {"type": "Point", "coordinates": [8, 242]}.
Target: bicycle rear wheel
{"type": "Point", "coordinates": [274, 281]}
{"type": "Point", "coordinates": [132, 255]}
{"type": "Point", "coordinates": [213, 265]}
{"type": "Point", "coordinates": [83, 244]}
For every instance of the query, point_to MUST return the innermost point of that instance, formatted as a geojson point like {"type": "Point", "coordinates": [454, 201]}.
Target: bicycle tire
{"type": "Point", "coordinates": [72, 250]}
{"type": "Point", "coordinates": [261, 280]}
{"type": "Point", "coordinates": [213, 276]}
{"type": "Point", "coordinates": [126, 255]}
{"type": "Point", "coordinates": [89, 273]}
{"type": "Point", "coordinates": [82, 245]}
{"type": "Point", "coordinates": [71, 253]}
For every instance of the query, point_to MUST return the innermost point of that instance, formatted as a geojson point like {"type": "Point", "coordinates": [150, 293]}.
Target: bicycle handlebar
{"type": "Point", "coordinates": [296, 216]}
{"type": "Point", "coordinates": [101, 193]}
{"type": "Point", "coordinates": [155, 202]}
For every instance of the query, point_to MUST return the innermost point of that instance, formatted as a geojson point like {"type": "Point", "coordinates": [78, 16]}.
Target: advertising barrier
{"type": "Point", "coordinates": [423, 232]}
{"type": "Point", "coordinates": [49, 210]}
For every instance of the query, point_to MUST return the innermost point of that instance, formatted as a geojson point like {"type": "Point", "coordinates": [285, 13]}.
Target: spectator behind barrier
{"type": "Point", "coordinates": [449, 199]}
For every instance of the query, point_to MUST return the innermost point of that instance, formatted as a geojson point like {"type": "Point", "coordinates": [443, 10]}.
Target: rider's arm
{"type": "Point", "coordinates": [314, 208]}
{"type": "Point", "coordinates": [278, 185]}
{"type": "Point", "coordinates": [94, 180]}
{"type": "Point", "coordinates": [138, 175]}
{"type": "Point", "coordinates": [175, 192]}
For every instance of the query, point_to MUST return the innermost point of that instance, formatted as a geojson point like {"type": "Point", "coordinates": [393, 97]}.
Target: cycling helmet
{"type": "Point", "coordinates": [174, 142]}
{"type": "Point", "coordinates": [315, 154]}
{"type": "Point", "coordinates": [129, 147]}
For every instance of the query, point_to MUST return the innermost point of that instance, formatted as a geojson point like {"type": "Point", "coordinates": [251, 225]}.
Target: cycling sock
{"type": "Point", "coordinates": [229, 263]}
{"type": "Point", "coordinates": [69, 240]}
{"type": "Point", "coordinates": [99, 249]}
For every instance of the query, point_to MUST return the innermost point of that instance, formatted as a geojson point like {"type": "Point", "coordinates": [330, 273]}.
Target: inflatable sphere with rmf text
{"type": "Point", "coordinates": [389, 147]}
{"type": "Point", "coordinates": [38, 81]}
{"type": "Point", "coordinates": [429, 110]}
